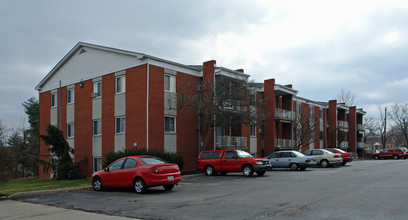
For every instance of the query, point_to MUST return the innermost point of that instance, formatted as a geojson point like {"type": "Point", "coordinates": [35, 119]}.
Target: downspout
{"type": "Point", "coordinates": [215, 117]}
{"type": "Point", "coordinates": [60, 106]}
{"type": "Point", "coordinates": [147, 105]}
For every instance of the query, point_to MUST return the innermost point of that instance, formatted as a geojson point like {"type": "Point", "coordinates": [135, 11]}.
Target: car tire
{"type": "Point", "coordinates": [376, 157]}
{"type": "Point", "coordinates": [302, 168]}
{"type": "Point", "coordinates": [294, 166]}
{"type": "Point", "coordinates": [247, 170]}
{"type": "Point", "coordinates": [140, 186]}
{"type": "Point", "coordinates": [344, 163]}
{"type": "Point", "coordinates": [168, 187]}
{"type": "Point", "coordinates": [97, 184]}
{"type": "Point", "coordinates": [209, 170]}
{"type": "Point", "coordinates": [324, 163]}
{"type": "Point", "coordinates": [223, 173]}
{"type": "Point", "coordinates": [395, 157]}
{"type": "Point", "coordinates": [260, 173]}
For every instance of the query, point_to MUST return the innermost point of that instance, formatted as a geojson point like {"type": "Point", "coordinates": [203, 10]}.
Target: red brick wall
{"type": "Point", "coordinates": [352, 130]}
{"type": "Point", "coordinates": [83, 124]}
{"type": "Point", "coordinates": [305, 111]}
{"type": "Point", "coordinates": [332, 123]}
{"type": "Point", "coordinates": [108, 114]}
{"type": "Point", "coordinates": [270, 106]}
{"type": "Point", "coordinates": [187, 135]}
{"type": "Point", "coordinates": [45, 107]}
{"type": "Point", "coordinates": [136, 106]}
{"type": "Point", "coordinates": [156, 108]}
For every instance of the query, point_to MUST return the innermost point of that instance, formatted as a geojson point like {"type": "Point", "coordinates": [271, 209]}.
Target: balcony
{"type": "Point", "coordinates": [283, 143]}
{"type": "Point", "coordinates": [344, 145]}
{"type": "Point", "coordinates": [360, 145]}
{"type": "Point", "coordinates": [342, 125]}
{"type": "Point", "coordinates": [360, 127]}
{"type": "Point", "coordinates": [282, 114]}
{"type": "Point", "coordinates": [232, 142]}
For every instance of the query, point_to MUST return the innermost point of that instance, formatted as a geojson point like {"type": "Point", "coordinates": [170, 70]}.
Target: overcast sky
{"type": "Point", "coordinates": [320, 47]}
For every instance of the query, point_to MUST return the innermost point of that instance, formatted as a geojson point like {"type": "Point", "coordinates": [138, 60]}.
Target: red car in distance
{"type": "Point", "coordinates": [347, 157]}
{"type": "Point", "coordinates": [140, 172]}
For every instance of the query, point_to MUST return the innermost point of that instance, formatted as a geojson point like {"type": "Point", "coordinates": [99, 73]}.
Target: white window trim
{"type": "Point", "coordinates": [175, 83]}
{"type": "Point", "coordinates": [116, 125]}
{"type": "Point", "coordinates": [175, 124]}
{"type": "Point", "coordinates": [54, 97]}
{"type": "Point", "coordinates": [93, 163]}
{"type": "Point", "coordinates": [72, 96]}
{"type": "Point", "coordinates": [254, 130]}
{"type": "Point", "coordinates": [93, 127]}
{"type": "Point", "coordinates": [93, 91]}
{"type": "Point", "coordinates": [123, 86]}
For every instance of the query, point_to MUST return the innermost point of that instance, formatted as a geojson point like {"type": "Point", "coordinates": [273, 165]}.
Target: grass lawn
{"type": "Point", "coordinates": [26, 185]}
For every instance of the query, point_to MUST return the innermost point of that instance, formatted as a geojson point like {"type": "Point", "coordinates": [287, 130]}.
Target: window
{"type": "Point", "coordinates": [169, 124]}
{"type": "Point", "coordinates": [70, 96]}
{"type": "Point", "coordinates": [53, 99]}
{"type": "Point", "coordinates": [169, 83]}
{"type": "Point", "coordinates": [321, 113]}
{"type": "Point", "coordinates": [120, 84]}
{"type": "Point", "coordinates": [117, 165]}
{"type": "Point", "coordinates": [253, 130]}
{"type": "Point", "coordinates": [274, 155]}
{"type": "Point", "coordinates": [97, 164]}
{"type": "Point", "coordinates": [97, 127]}
{"type": "Point", "coordinates": [70, 130]}
{"type": "Point", "coordinates": [120, 125]}
{"type": "Point", "coordinates": [321, 135]}
{"type": "Point", "coordinates": [129, 164]}
{"type": "Point", "coordinates": [286, 154]}
{"type": "Point", "coordinates": [230, 155]}
{"type": "Point", "coordinates": [214, 154]}
{"type": "Point", "coordinates": [97, 92]}
{"type": "Point", "coordinates": [298, 108]}
{"type": "Point", "coordinates": [252, 99]}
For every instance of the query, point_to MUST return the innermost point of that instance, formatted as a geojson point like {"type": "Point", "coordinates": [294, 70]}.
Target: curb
{"type": "Point", "coordinates": [15, 196]}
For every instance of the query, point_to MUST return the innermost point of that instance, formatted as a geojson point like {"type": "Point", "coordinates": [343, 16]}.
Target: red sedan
{"type": "Point", "coordinates": [140, 172]}
{"type": "Point", "coordinates": [347, 157]}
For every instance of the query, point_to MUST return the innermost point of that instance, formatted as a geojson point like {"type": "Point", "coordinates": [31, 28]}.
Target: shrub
{"type": "Point", "coordinates": [7, 163]}
{"type": "Point", "coordinates": [169, 157]}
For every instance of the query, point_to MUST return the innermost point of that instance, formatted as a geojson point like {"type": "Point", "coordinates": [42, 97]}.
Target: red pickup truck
{"type": "Point", "coordinates": [225, 161]}
{"type": "Point", "coordinates": [394, 153]}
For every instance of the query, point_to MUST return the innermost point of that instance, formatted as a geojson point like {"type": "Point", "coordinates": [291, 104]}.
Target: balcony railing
{"type": "Point", "coordinates": [360, 127]}
{"type": "Point", "coordinates": [344, 145]}
{"type": "Point", "coordinates": [284, 114]}
{"type": "Point", "coordinates": [342, 124]}
{"type": "Point", "coordinates": [283, 143]}
{"type": "Point", "coordinates": [232, 142]}
{"type": "Point", "coordinates": [360, 145]}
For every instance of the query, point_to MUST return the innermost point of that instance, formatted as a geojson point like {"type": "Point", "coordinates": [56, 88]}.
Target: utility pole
{"type": "Point", "coordinates": [385, 128]}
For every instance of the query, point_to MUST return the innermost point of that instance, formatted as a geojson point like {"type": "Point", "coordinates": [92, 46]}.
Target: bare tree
{"type": "Point", "coordinates": [382, 125]}
{"type": "Point", "coordinates": [399, 114]}
{"type": "Point", "coordinates": [369, 127]}
{"type": "Point", "coordinates": [304, 130]}
{"type": "Point", "coordinates": [347, 97]}
{"type": "Point", "coordinates": [227, 105]}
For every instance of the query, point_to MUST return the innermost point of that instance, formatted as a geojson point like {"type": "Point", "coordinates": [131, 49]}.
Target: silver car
{"type": "Point", "coordinates": [290, 159]}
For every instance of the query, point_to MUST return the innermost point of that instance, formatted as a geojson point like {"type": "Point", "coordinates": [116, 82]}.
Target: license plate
{"type": "Point", "coordinates": [170, 178]}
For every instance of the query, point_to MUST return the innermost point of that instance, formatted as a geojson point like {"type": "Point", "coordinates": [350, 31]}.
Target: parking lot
{"type": "Point", "coordinates": [360, 190]}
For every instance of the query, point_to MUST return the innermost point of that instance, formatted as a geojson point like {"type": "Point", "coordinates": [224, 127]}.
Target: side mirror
{"type": "Point", "coordinates": [106, 169]}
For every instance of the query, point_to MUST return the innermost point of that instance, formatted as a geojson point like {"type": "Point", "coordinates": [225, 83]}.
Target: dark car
{"type": "Point", "coordinates": [347, 157]}
{"type": "Point", "coordinates": [140, 172]}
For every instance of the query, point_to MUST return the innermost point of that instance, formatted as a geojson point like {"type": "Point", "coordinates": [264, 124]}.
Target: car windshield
{"type": "Point", "coordinates": [152, 160]}
{"type": "Point", "coordinates": [243, 154]}
{"type": "Point", "coordinates": [298, 154]}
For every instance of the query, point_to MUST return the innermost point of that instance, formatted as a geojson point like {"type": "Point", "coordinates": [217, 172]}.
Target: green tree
{"type": "Point", "coordinates": [62, 161]}
{"type": "Point", "coordinates": [32, 135]}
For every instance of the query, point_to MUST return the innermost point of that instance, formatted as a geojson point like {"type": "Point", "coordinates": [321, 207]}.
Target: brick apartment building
{"type": "Point", "coordinates": [105, 100]}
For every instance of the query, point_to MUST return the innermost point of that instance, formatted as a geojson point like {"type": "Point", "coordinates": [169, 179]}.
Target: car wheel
{"type": "Point", "coordinates": [247, 170]}
{"type": "Point", "coordinates": [344, 163]}
{"type": "Point", "coordinates": [140, 186]}
{"type": "Point", "coordinates": [294, 166]}
{"type": "Point", "coordinates": [97, 184]}
{"type": "Point", "coordinates": [396, 157]}
{"type": "Point", "coordinates": [223, 173]}
{"type": "Point", "coordinates": [375, 157]}
{"type": "Point", "coordinates": [303, 168]}
{"type": "Point", "coordinates": [168, 187]}
{"type": "Point", "coordinates": [260, 173]}
{"type": "Point", "coordinates": [324, 163]}
{"type": "Point", "coordinates": [209, 170]}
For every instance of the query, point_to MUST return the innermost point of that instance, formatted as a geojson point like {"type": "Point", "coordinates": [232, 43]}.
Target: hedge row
{"type": "Point", "coordinates": [169, 157]}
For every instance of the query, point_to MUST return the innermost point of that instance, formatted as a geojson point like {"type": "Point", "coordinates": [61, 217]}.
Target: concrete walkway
{"type": "Point", "coordinates": [11, 209]}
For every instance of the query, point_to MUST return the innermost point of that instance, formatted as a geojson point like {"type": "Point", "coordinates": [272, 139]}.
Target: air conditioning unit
{"type": "Point", "coordinates": [94, 94]}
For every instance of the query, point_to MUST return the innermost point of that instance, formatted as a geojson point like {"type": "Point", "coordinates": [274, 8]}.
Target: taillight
{"type": "Point", "coordinates": [307, 161]}
{"type": "Point", "coordinates": [154, 170]}
{"type": "Point", "coordinates": [335, 156]}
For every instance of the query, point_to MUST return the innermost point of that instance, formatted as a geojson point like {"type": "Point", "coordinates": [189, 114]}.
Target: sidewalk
{"type": "Point", "coordinates": [10, 209]}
